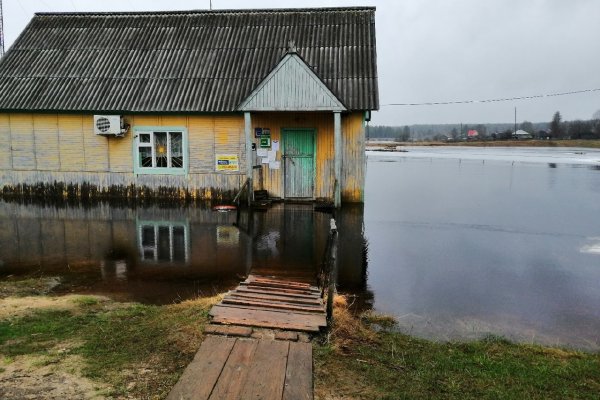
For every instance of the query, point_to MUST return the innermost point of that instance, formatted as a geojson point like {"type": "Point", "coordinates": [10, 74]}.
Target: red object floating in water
{"type": "Point", "coordinates": [224, 208]}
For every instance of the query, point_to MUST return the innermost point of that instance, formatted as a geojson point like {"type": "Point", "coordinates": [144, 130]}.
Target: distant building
{"type": "Point", "coordinates": [472, 134]}
{"type": "Point", "coordinates": [522, 135]}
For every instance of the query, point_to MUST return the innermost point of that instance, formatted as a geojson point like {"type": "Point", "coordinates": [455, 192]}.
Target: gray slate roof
{"type": "Point", "coordinates": [197, 61]}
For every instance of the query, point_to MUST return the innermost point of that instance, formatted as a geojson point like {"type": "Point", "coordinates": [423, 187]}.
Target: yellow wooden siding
{"type": "Point", "coordinates": [47, 151]}
{"type": "Point", "coordinates": [70, 134]}
{"type": "Point", "coordinates": [354, 158]}
{"type": "Point", "coordinates": [229, 137]}
{"type": "Point", "coordinates": [201, 144]}
{"type": "Point", "coordinates": [22, 143]}
{"type": "Point", "coordinates": [120, 150]}
{"type": "Point", "coordinates": [96, 147]}
{"type": "Point", "coordinates": [5, 142]}
{"type": "Point", "coordinates": [352, 180]}
{"type": "Point", "coordinates": [45, 143]}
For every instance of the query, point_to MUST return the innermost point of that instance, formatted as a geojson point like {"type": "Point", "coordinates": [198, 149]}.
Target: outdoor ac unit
{"type": "Point", "coordinates": [108, 125]}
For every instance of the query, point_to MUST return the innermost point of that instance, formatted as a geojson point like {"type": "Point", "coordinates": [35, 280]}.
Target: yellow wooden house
{"type": "Point", "coordinates": [190, 104]}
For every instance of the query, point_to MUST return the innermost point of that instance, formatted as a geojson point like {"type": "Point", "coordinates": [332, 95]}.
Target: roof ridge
{"type": "Point", "coordinates": [218, 11]}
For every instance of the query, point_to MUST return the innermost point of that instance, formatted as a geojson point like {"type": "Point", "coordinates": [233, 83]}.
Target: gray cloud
{"type": "Point", "coordinates": [440, 50]}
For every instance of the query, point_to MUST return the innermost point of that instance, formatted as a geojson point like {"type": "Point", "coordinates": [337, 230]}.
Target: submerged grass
{"type": "Point", "coordinates": [357, 362]}
{"type": "Point", "coordinates": [138, 350]}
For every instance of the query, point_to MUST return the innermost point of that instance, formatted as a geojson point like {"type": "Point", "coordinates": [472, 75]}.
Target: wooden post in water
{"type": "Point", "coordinates": [333, 233]}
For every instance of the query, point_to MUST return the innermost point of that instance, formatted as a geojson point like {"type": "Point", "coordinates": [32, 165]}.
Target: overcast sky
{"type": "Point", "coordinates": [442, 50]}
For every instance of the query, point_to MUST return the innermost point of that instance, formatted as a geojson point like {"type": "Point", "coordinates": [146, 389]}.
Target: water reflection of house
{"type": "Point", "coordinates": [185, 103]}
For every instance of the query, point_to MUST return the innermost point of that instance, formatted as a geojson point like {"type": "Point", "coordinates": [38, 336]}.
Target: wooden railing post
{"type": "Point", "coordinates": [332, 269]}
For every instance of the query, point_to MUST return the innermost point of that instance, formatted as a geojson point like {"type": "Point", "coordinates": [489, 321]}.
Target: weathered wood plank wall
{"type": "Point", "coordinates": [354, 161]}
{"type": "Point", "coordinates": [47, 148]}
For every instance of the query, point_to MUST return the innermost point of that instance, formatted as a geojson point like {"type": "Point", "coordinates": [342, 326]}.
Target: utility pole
{"type": "Point", "coordinates": [1, 31]}
{"type": "Point", "coordinates": [515, 119]}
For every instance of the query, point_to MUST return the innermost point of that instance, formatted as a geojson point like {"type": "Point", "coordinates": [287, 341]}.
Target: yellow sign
{"type": "Point", "coordinates": [227, 162]}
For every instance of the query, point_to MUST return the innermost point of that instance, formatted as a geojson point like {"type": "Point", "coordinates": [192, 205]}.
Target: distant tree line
{"type": "Point", "coordinates": [555, 129]}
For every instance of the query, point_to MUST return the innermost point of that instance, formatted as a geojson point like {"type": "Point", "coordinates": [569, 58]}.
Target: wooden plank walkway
{"type": "Point", "coordinates": [238, 368]}
{"type": "Point", "coordinates": [272, 303]}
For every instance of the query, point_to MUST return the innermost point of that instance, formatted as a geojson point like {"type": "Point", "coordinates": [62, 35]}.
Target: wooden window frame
{"type": "Point", "coordinates": [152, 130]}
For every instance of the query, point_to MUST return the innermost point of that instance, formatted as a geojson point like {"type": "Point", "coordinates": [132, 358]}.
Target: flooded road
{"type": "Point", "coordinates": [466, 242]}
{"type": "Point", "coordinates": [458, 243]}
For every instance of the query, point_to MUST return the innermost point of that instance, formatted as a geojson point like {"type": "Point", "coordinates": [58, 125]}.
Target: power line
{"type": "Point", "coordinates": [538, 96]}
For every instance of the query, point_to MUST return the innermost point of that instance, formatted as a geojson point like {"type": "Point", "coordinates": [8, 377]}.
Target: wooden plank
{"type": "Point", "coordinates": [235, 372]}
{"type": "Point", "coordinates": [275, 297]}
{"type": "Point", "coordinates": [267, 371]}
{"type": "Point", "coordinates": [267, 318]}
{"type": "Point", "coordinates": [280, 284]}
{"type": "Point", "coordinates": [254, 278]}
{"type": "Point", "coordinates": [282, 289]}
{"type": "Point", "coordinates": [272, 304]}
{"type": "Point", "coordinates": [262, 291]}
{"type": "Point", "coordinates": [298, 375]}
{"type": "Point", "coordinates": [267, 308]}
{"type": "Point", "coordinates": [200, 377]}
{"type": "Point", "coordinates": [241, 331]}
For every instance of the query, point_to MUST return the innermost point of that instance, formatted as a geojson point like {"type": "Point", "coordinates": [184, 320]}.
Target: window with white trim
{"type": "Point", "coordinates": [160, 151]}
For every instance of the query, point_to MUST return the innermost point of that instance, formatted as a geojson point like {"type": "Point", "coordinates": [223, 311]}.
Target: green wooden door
{"type": "Point", "coordinates": [299, 163]}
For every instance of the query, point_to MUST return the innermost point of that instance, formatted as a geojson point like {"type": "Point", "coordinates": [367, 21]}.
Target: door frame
{"type": "Point", "coordinates": [284, 132]}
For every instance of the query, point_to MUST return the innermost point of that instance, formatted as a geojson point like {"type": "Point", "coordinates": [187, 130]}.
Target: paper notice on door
{"type": "Point", "coordinates": [261, 152]}
{"type": "Point", "coordinates": [274, 165]}
{"type": "Point", "coordinates": [274, 145]}
{"type": "Point", "coordinates": [265, 160]}
{"type": "Point", "coordinates": [272, 155]}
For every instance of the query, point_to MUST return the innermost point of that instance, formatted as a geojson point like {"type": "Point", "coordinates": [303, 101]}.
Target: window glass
{"type": "Point", "coordinates": [144, 138]}
{"type": "Point", "coordinates": [161, 150]}
{"type": "Point", "coordinates": [176, 149]}
{"type": "Point", "coordinates": [145, 156]}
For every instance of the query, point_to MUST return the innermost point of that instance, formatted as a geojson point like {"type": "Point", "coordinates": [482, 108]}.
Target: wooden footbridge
{"type": "Point", "coordinates": [258, 344]}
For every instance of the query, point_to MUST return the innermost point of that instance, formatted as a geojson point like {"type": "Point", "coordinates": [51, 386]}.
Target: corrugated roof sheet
{"type": "Point", "coordinates": [197, 61]}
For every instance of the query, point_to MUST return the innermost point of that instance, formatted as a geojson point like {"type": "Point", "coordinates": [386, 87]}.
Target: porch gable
{"type": "Point", "coordinates": [292, 86]}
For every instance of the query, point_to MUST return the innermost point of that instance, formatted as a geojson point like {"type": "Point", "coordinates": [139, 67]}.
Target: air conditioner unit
{"type": "Point", "coordinates": [109, 125]}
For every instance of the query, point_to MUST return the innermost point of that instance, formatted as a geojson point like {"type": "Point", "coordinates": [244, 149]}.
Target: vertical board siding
{"type": "Point", "coordinates": [201, 144]}
{"type": "Point", "coordinates": [72, 151]}
{"type": "Point", "coordinates": [47, 150]}
{"type": "Point", "coordinates": [120, 151]}
{"type": "Point", "coordinates": [5, 142]}
{"type": "Point", "coordinates": [229, 137]}
{"type": "Point", "coordinates": [323, 123]}
{"type": "Point", "coordinates": [96, 147]}
{"type": "Point", "coordinates": [354, 158]}
{"type": "Point", "coordinates": [292, 86]}
{"type": "Point", "coordinates": [22, 142]}
{"type": "Point", "coordinates": [64, 148]}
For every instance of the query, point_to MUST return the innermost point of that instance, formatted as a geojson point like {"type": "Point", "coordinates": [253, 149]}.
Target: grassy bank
{"type": "Point", "coordinates": [91, 347]}
{"type": "Point", "coordinates": [102, 348]}
{"type": "Point", "coordinates": [593, 144]}
{"type": "Point", "coordinates": [356, 362]}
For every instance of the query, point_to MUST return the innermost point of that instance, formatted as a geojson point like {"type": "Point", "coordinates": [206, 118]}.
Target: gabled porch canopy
{"type": "Point", "coordinates": [293, 86]}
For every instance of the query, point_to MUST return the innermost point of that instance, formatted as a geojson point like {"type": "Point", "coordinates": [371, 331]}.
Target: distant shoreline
{"type": "Point", "coordinates": [388, 145]}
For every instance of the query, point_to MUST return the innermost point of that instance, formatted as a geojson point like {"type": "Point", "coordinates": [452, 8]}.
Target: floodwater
{"type": "Point", "coordinates": [465, 242]}
{"type": "Point", "coordinates": [458, 243]}
{"type": "Point", "coordinates": [161, 255]}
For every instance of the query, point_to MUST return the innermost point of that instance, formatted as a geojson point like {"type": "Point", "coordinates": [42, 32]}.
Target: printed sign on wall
{"type": "Point", "coordinates": [227, 162]}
